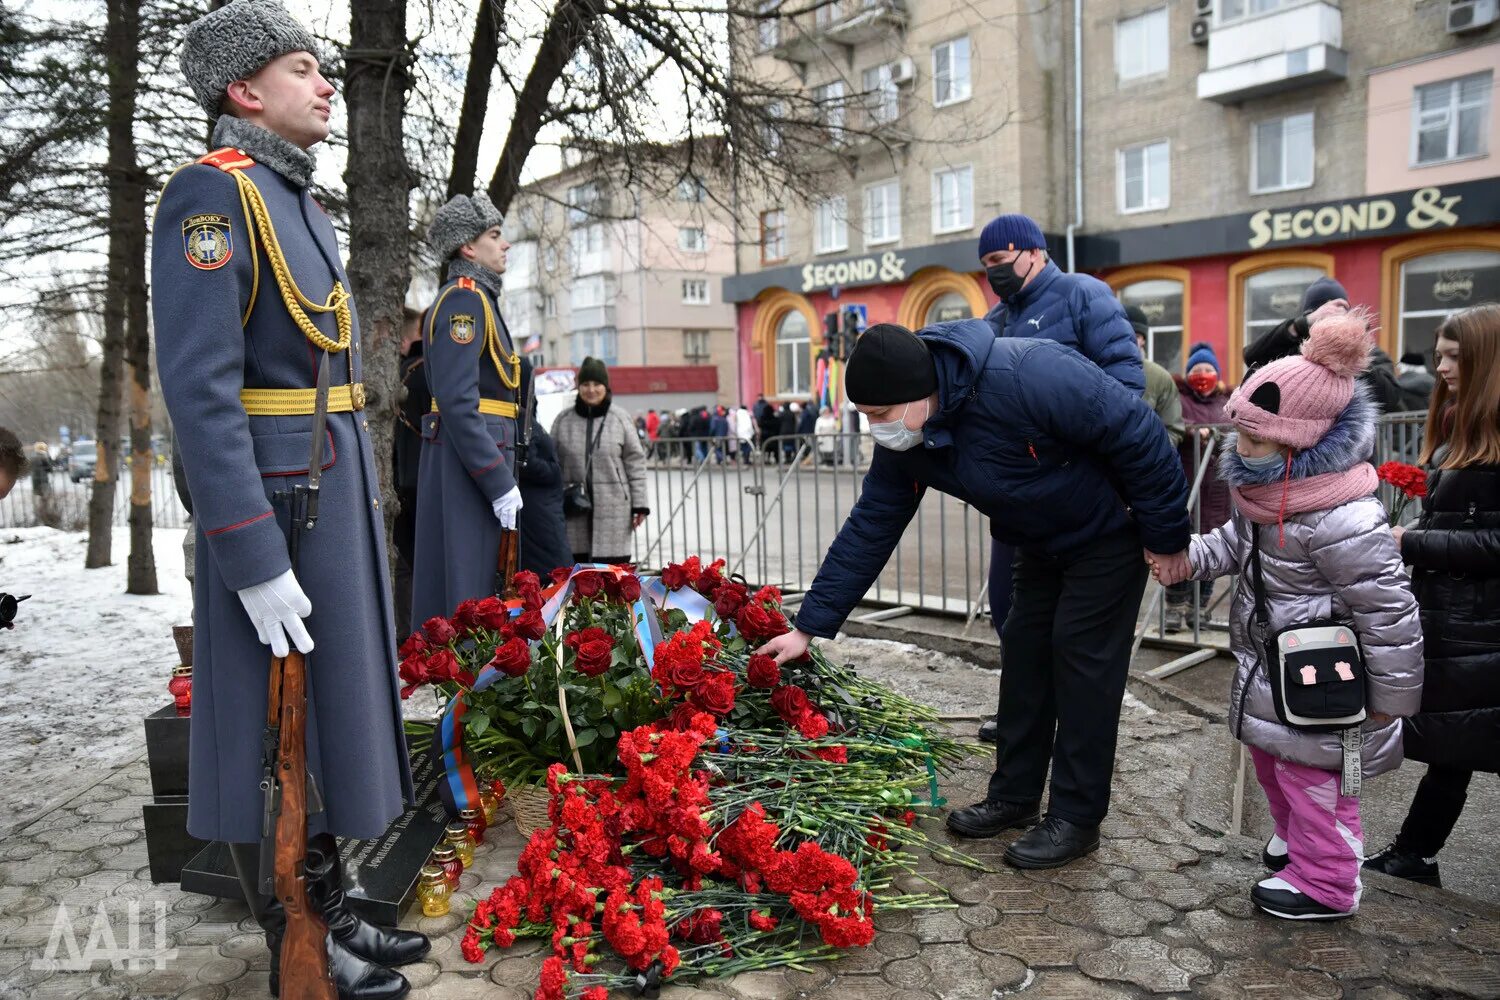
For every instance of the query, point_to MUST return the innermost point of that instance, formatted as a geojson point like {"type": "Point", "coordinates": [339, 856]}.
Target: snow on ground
{"type": "Point", "coordinates": [85, 664]}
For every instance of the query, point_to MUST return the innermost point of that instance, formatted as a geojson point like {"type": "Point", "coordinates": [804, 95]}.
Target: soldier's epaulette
{"type": "Point", "coordinates": [467, 284]}
{"type": "Point", "coordinates": [227, 159]}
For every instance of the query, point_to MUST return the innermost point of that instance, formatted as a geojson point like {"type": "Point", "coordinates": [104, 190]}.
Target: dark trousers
{"type": "Point", "coordinates": [1434, 811]}
{"type": "Point", "coordinates": [1001, 558]}
{"type": "Point", "coordinates": [1066, 652]}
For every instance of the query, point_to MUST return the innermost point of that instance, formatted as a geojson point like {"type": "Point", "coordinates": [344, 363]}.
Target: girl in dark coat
{"type": "Point", "coordinates": [1203, 395]}
{"type": "Point", "coordinates": [1454, 555]}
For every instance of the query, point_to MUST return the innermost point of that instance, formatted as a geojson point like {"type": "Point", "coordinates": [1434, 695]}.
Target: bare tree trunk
{"type": "Point", "coordinates": [379, 185]}
{"type": "Point", "coordinates": [484, 51]}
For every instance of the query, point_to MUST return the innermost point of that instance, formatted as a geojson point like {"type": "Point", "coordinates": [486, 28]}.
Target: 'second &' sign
{"type": "Point", "coordinates": [1429, 208]}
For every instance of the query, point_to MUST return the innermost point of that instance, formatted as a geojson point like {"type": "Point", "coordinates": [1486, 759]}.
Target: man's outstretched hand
{"type": "Point", "coordinates": [786, 647]}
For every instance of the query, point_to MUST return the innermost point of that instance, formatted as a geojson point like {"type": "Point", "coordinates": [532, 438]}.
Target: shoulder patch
{"type": "Point", "coordinates": [227, 159]}
{"type": "Point", "coordinates": [207, 241]}
{"type": "Point", "coordinates": [467, 284]}
{"type": "Point", "coordinates": [461, 328]}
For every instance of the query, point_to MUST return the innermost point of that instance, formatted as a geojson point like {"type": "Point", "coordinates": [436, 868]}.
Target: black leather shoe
{"type": "Point", "coordinates": [1052, 843]}
{"type": "Point", "coordinates": [381, 945]}
{"type": "Point", "coordinates": [985, 819]}
{"type": "Point", "coordinates": [353, 977]}
{"type": "Point", "coordinates": [1287, 903]}
{"type": "Point", "coordinates": [989, 729]}
{"type": "Point", "coordinates": [1394, 861]}
{"type": "Point", "coordinates": [1274, 862]}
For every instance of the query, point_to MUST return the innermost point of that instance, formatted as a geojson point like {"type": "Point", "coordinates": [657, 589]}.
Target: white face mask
{"type": "Point", "coordinates": [895, 435]}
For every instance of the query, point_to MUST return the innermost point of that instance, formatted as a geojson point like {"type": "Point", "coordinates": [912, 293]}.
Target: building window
{"type": "Point", "coordinates": [695, 347]}
{"type": "Point", "coordinates": [583, 203]}
{"type": "Point", "coordinates": [691, 189]}
{"type": "Point", "coordinates": [588, 293]}
{"type": "Point", "coordinates": [1281, 154]}
{"type": "Point", "coordinates": [549, 310]}
{"type": "Point", "coordinates": [793, 355]}
{"type": "Point", "coordinates": [882, 96]}
{"type": "Point", "coordinates": [695, 291]}
{"type": "Point", "coordinates": [1438, 285]}
{"type": "Point", "coordinates": [952, 200]}
{"type": "Point", "coordinates": [828, 13]}
{"type": "Point", "coordinates": [588, 253]}
{"type": "Point", "coordinates": [831, 225]}
{"type": "Point", "coordinates": [768, 25]}
{"type": "Point", "coordinates": [602, 343]}
{"type": "Point", "coordinates": [831, 101]}
{"type": "Point", "coordinates": [949, 306]}
{"type": "Point", "coordinates": [950, 72]}
{"type": "Point", "coordinates": [1450, 119]}
{"type": "Point", "coordinates": [1234, 10]}
{"type": "Point", "coordinates": [773, 236]}
{"type": "Point", "coordinates": [1273, 296]}
{"type": "Point", "coordinates": [882, 213]}
{"type": "Point", "coordinates": [1145, 177]}
{"type": "Point", "coordinates": [770, 129]}
{"type": "Point", "coordinates": [1141, 45]}
{"type": "Point", "coordinates": [692, 239]}
{"type": "Point", "coordinates": [1161, 300]}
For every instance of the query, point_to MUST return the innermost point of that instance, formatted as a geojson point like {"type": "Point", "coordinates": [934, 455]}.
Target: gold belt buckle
{"type": "Point", "coordinates": [357, 395]}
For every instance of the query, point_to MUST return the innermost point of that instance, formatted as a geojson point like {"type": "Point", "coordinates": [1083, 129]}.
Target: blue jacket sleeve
{"type": "Point", "coordinates": [453, 378]}
{"type": "Point", "coordinates": [1106, 336]}
{"type": "Point", "coordinates": [887, 502]}
{"type": "Point", "coordinates": [197, 312]}
{"type": "Point", "coordinates": [1075, 402]}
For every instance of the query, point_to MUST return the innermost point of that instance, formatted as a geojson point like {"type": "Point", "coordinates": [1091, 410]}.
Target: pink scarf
{"type": "Point", "coordinates": [1270, 503]}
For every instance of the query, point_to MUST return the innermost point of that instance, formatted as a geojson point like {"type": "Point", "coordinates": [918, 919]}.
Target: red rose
{"type": "Point", "coordinates": [442, 666]}
{"type": "Point", "coordinates": [758, 624]}
{"type": "Point", "coordinates": [529, 589]}
{"type": "Point", "coordinates": [561, 574]}
{"type": "Point", "coordinates": [629, 588]}
{"type": "Point", "coordinates": [674, 577]}
{"type": "Point", "coordinates": [512, 658]}
{"type": "Point", "coordinates": [682, 717]}
{"type": "Point", "coordinates": [790, 702]}
{"type": "Point", "coordinates": [414, 644]}
{"type": "Point", "coordinates": [491, 614]}
{"type": "Point", "coordinates": [594, 656]}
{"type": "Point", "coordinates": [729, 599]}
{"type": "Point", "coordinates": [439, 630]}
{"type": "Point", "coordinates": [413, 673]}
{"type": "Point", "coordinates": [709, 582]}
{"type": "Point", "coordinates": [464, 618]}
{"type": "Point", "coordinates": [593, 634]}
{"type": "Point", "coordinates": [588, 584]}
{"type": "Point", "coordinates": [812, 725]}
{"type": "Point", "coordinates": [529, 625]}
{"type": "Point", "coordinates": [763, 672]}
{"type": "Point", "coordinates": [716, 694]}
{"type": "Point", "coordinates": [685, 673]}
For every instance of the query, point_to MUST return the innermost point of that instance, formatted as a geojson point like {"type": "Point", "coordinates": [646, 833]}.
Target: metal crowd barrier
{"type": "Point", "coordinates": [62, 503]}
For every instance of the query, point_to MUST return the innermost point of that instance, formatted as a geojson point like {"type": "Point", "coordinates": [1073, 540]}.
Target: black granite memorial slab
{"type": "Point", "coordinates": [380, 875]}
{"type": "Point", "coordinates": [168, 844]}
{"type": "Point", "coordinates": [167, 751]}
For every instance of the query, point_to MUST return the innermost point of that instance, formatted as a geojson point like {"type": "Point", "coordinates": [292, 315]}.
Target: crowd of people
{"type": "Point", "coordinates": [743, 434]}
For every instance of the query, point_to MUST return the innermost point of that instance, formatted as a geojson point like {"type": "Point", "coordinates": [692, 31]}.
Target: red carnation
{"type": "Point", "coordinates": [790, 702]}
{"type": "Point", "coordinates": [588, 584]}
{"type": "Point", "coordinates": [729, 598]}
{"type": "Point", "coordinates": [529, 625]}
{"type": "Point", "coordinates": [439, 630]}
{"type": "Point", "coordinates": [812, 725]}
{"type": "Point", "coordinates": [512, 658]}
{"type": "Point", "coordinates": [758, 624]}
{"type": "Point", "coordinates": [415, 643]}
{"type": "Point", "coordinates": [554, 979]}
{"type": "Point", "coordinates": [716, 694]}
{"type": "Point", "coordinates": [763, 671]}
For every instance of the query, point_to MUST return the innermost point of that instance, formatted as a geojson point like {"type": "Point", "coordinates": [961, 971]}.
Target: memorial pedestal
{"type": "Point", "coordinates": [168, 845]}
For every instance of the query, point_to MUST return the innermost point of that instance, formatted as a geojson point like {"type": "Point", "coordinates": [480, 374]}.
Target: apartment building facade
{"type": "Point", "coordinates": [1231, 152]}
{"type": "Point", "coordinates": [601, 268]}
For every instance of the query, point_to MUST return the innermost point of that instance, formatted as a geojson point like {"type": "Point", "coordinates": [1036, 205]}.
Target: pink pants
{"type": "Point", "coordinates": [1321, 827]}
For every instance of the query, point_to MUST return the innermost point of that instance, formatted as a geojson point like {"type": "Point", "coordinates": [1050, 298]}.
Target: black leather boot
{"type": "Point", "coordinates": [381, 945]}
{"type": "Point", "coordinates": [1052, 843]}
{"type": "Point", "coordinates": [1395, 861]}
{"type": "Point", "coordinates": [985, 819]}
{"type": "Point", "coordinates": [354, 978]}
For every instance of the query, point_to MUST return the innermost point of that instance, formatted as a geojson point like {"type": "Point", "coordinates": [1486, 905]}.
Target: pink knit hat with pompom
{"type": "Point", "coordinates": [1296, 400]}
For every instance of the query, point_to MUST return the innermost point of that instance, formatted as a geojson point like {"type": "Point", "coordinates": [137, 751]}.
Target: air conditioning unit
{"type": "Point", "coordinates": [1471, 15]}
{"type": "Point", "coordinates": [905, 71]}
{"type": "Point", "coordinates": [1204, 7]}
{"type": "Point", "coordinates": [1199, 32]}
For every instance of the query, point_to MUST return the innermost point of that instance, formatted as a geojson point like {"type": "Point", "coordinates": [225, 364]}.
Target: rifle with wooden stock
{"type": "Point", "coordinates": [286, 787]}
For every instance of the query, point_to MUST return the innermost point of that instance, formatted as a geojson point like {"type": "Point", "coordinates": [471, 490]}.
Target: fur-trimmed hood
{"type": "Point", "coordinates": [1350, 442]}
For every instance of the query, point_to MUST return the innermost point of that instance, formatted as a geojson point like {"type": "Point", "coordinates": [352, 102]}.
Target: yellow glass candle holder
{"type": "Point", "coordinates": [434, 892]}
{"type": "Point", "coordinates": [458, 837]}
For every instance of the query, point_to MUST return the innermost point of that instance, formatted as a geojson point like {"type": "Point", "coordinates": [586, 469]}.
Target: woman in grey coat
{"type": "Point", "coordinates": [1298, 476]}
{"type": "Point", "coordinates": [601, 452]}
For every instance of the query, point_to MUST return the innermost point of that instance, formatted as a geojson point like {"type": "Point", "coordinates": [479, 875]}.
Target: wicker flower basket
{"type": "Point", "coordinates": [529, 805]}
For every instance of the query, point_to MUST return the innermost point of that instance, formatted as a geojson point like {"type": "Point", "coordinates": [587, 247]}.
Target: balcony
{"type": "Point", "coordinates": [1266, 54]}
{"type": "Point", "coordinates": [844, 23]}
{"type": "Point", "coordinates": [591, 318]}
{"type": "Point", "coordinates": [878, 122]}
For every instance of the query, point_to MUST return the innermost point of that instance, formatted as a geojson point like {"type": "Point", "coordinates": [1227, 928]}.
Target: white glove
{"type": "Point", "coordinates": [507, 507]}
{"type": "Point", "coordinates": [277, 608]}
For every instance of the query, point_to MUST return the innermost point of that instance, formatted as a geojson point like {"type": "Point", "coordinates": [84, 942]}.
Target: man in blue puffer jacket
{"type": "Point", "coordinates": [1074, 470]}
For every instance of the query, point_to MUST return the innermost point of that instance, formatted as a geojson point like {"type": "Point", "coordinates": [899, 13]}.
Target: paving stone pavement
{"type": "Point", "coordinates": [1160, 910]}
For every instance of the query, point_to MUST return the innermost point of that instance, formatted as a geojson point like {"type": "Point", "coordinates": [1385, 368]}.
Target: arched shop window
{"type": "Point", "coordinates": [1436, 285]}
{"type": "Point", "coordinates": [1273, 296]}
{"type": "Point", "coordinates": [793, 355]}
{"type": "Point", "coordinates": [1161, 299]}
{"type": "Point", "coordinates": [949, 306]}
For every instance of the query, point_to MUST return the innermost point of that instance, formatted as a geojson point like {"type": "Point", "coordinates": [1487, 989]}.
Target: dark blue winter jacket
{"type": "Point", "coordinates": [1077, 311]}
{"type": "Point", "coordinates": [1030, 434]}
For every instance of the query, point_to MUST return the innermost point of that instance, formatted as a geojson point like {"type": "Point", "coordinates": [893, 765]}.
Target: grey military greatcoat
{"type": "Point", "coordinates": [221, 326]}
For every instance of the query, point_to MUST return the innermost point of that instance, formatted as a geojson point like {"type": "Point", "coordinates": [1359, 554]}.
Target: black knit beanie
{"type": "Point", "coordinates": [593, 370]}
{"type": "Point", "coordinates": [890, 364]}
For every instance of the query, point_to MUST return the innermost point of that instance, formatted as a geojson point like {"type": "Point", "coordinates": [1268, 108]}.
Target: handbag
{"type": "Point", "coordinates": [1316, 671]}
{"type": "Point", "coordinates": [578, 498]}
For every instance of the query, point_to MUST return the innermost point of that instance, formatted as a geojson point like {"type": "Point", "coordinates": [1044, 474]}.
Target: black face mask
{"type": "Point", "coordinates": [1004, 279]}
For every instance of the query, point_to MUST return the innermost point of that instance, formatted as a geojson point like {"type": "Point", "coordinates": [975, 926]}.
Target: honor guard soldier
{"type": "Point", "coordinates": [467, 490]}
{"type": "Point", "coordinates": [250, 299]}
